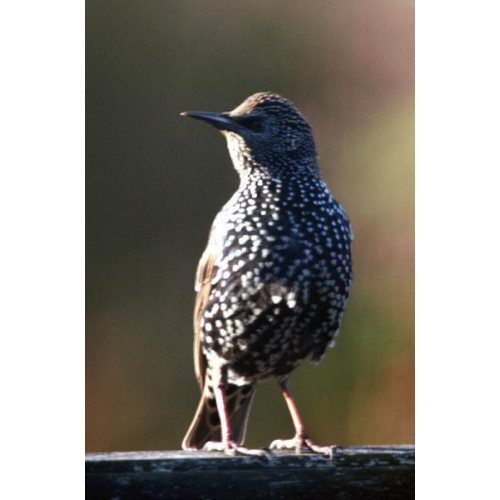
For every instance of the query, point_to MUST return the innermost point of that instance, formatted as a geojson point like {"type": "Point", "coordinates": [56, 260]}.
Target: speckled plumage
{"type": "Point", "coordinates": [274, 280]}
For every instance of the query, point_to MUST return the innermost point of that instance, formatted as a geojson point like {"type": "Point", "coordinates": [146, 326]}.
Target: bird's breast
{"type": "Point", "coordinates": [280, 284]}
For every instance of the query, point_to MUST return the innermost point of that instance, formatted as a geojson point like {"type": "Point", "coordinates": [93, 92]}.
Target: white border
{"type": "Point", "coordinates": [42, 249]}
{"type": "Point", "coordinates": [457, 265]}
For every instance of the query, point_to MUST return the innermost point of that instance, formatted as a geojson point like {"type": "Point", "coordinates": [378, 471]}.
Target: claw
{"type": "Point", "coordinates": [301, 445]}
{"type": "Point", "coordinates": [329, 451]}
{"type": "Point", "coordinates": [287, 444]}
{"type": "Point", "coordinates": [232, 448]}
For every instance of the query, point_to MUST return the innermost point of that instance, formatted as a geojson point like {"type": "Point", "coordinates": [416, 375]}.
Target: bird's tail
{"type": "Point", "coordinates": [206, 424]}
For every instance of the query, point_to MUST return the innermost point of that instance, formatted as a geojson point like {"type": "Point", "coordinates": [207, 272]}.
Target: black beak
{"type": "Point", "coordinates": [218, 120]}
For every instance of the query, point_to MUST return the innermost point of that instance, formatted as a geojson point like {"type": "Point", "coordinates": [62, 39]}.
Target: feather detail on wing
{"type": "Point", "coordinates": [204, 276]}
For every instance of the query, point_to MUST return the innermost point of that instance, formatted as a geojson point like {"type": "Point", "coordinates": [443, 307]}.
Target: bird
{"type": "Point", "coordinates": [274, 280]}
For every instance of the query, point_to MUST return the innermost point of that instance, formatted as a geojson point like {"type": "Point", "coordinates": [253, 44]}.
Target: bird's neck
{"type": "Point", "coordinates": [257, 166]}
{"type": "Point", "coordinates": [261, 183]}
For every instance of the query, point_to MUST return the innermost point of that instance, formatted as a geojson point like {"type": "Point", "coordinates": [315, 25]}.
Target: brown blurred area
{"type": "Point", "coordinates": [155, 182]}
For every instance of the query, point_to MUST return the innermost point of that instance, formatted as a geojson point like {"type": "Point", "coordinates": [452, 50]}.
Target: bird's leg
{"type": "Point", "coordinates": [227, 445]}
{"type": "Point", "coordinates": [301, 441]}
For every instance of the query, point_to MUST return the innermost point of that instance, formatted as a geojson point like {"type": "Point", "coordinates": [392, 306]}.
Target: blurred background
{"type": "Point", "coordinates": [155, 182]}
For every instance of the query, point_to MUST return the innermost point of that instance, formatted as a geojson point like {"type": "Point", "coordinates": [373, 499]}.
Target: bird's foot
{"type": "Point", "coordinates": [232, 448]}
{"type": "Point", "coordinates": [303, 445]}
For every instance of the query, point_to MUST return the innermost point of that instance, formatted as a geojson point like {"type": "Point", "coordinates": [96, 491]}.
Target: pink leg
{"type": "Point", "coordinates": [300, 441]}
{"type": "Point", "coordinates": [298, 423]}
{"type": "Point", "coordinates": [227, 445]}
{"type": "Point", "coordinates": [220, 398]}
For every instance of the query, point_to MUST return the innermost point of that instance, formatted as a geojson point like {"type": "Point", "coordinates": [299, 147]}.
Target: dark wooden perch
{"type": "Point", "coordinates": [368, 472]}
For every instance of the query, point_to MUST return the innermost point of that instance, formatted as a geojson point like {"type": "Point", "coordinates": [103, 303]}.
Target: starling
{"type": "Point", "coordinates": [273, 282]}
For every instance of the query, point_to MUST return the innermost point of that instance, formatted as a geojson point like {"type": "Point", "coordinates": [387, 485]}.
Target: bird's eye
{"type": "Point", "coordinates": [251, 122]}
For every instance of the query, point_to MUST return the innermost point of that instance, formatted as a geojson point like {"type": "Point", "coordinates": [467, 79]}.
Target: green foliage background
{"type": "Point", "coordinates": [155, 182]}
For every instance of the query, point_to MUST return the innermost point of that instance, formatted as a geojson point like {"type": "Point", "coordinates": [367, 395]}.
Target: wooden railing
{"type": "Point", "coordinates": [367, 472]}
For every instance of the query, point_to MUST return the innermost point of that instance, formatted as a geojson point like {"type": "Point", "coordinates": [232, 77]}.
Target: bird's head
{"type": "Point", "coordinates": [266, 130]}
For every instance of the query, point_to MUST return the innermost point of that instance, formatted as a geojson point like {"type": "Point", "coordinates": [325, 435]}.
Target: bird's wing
{"type": "Point", "coordinates": [203, 284]}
